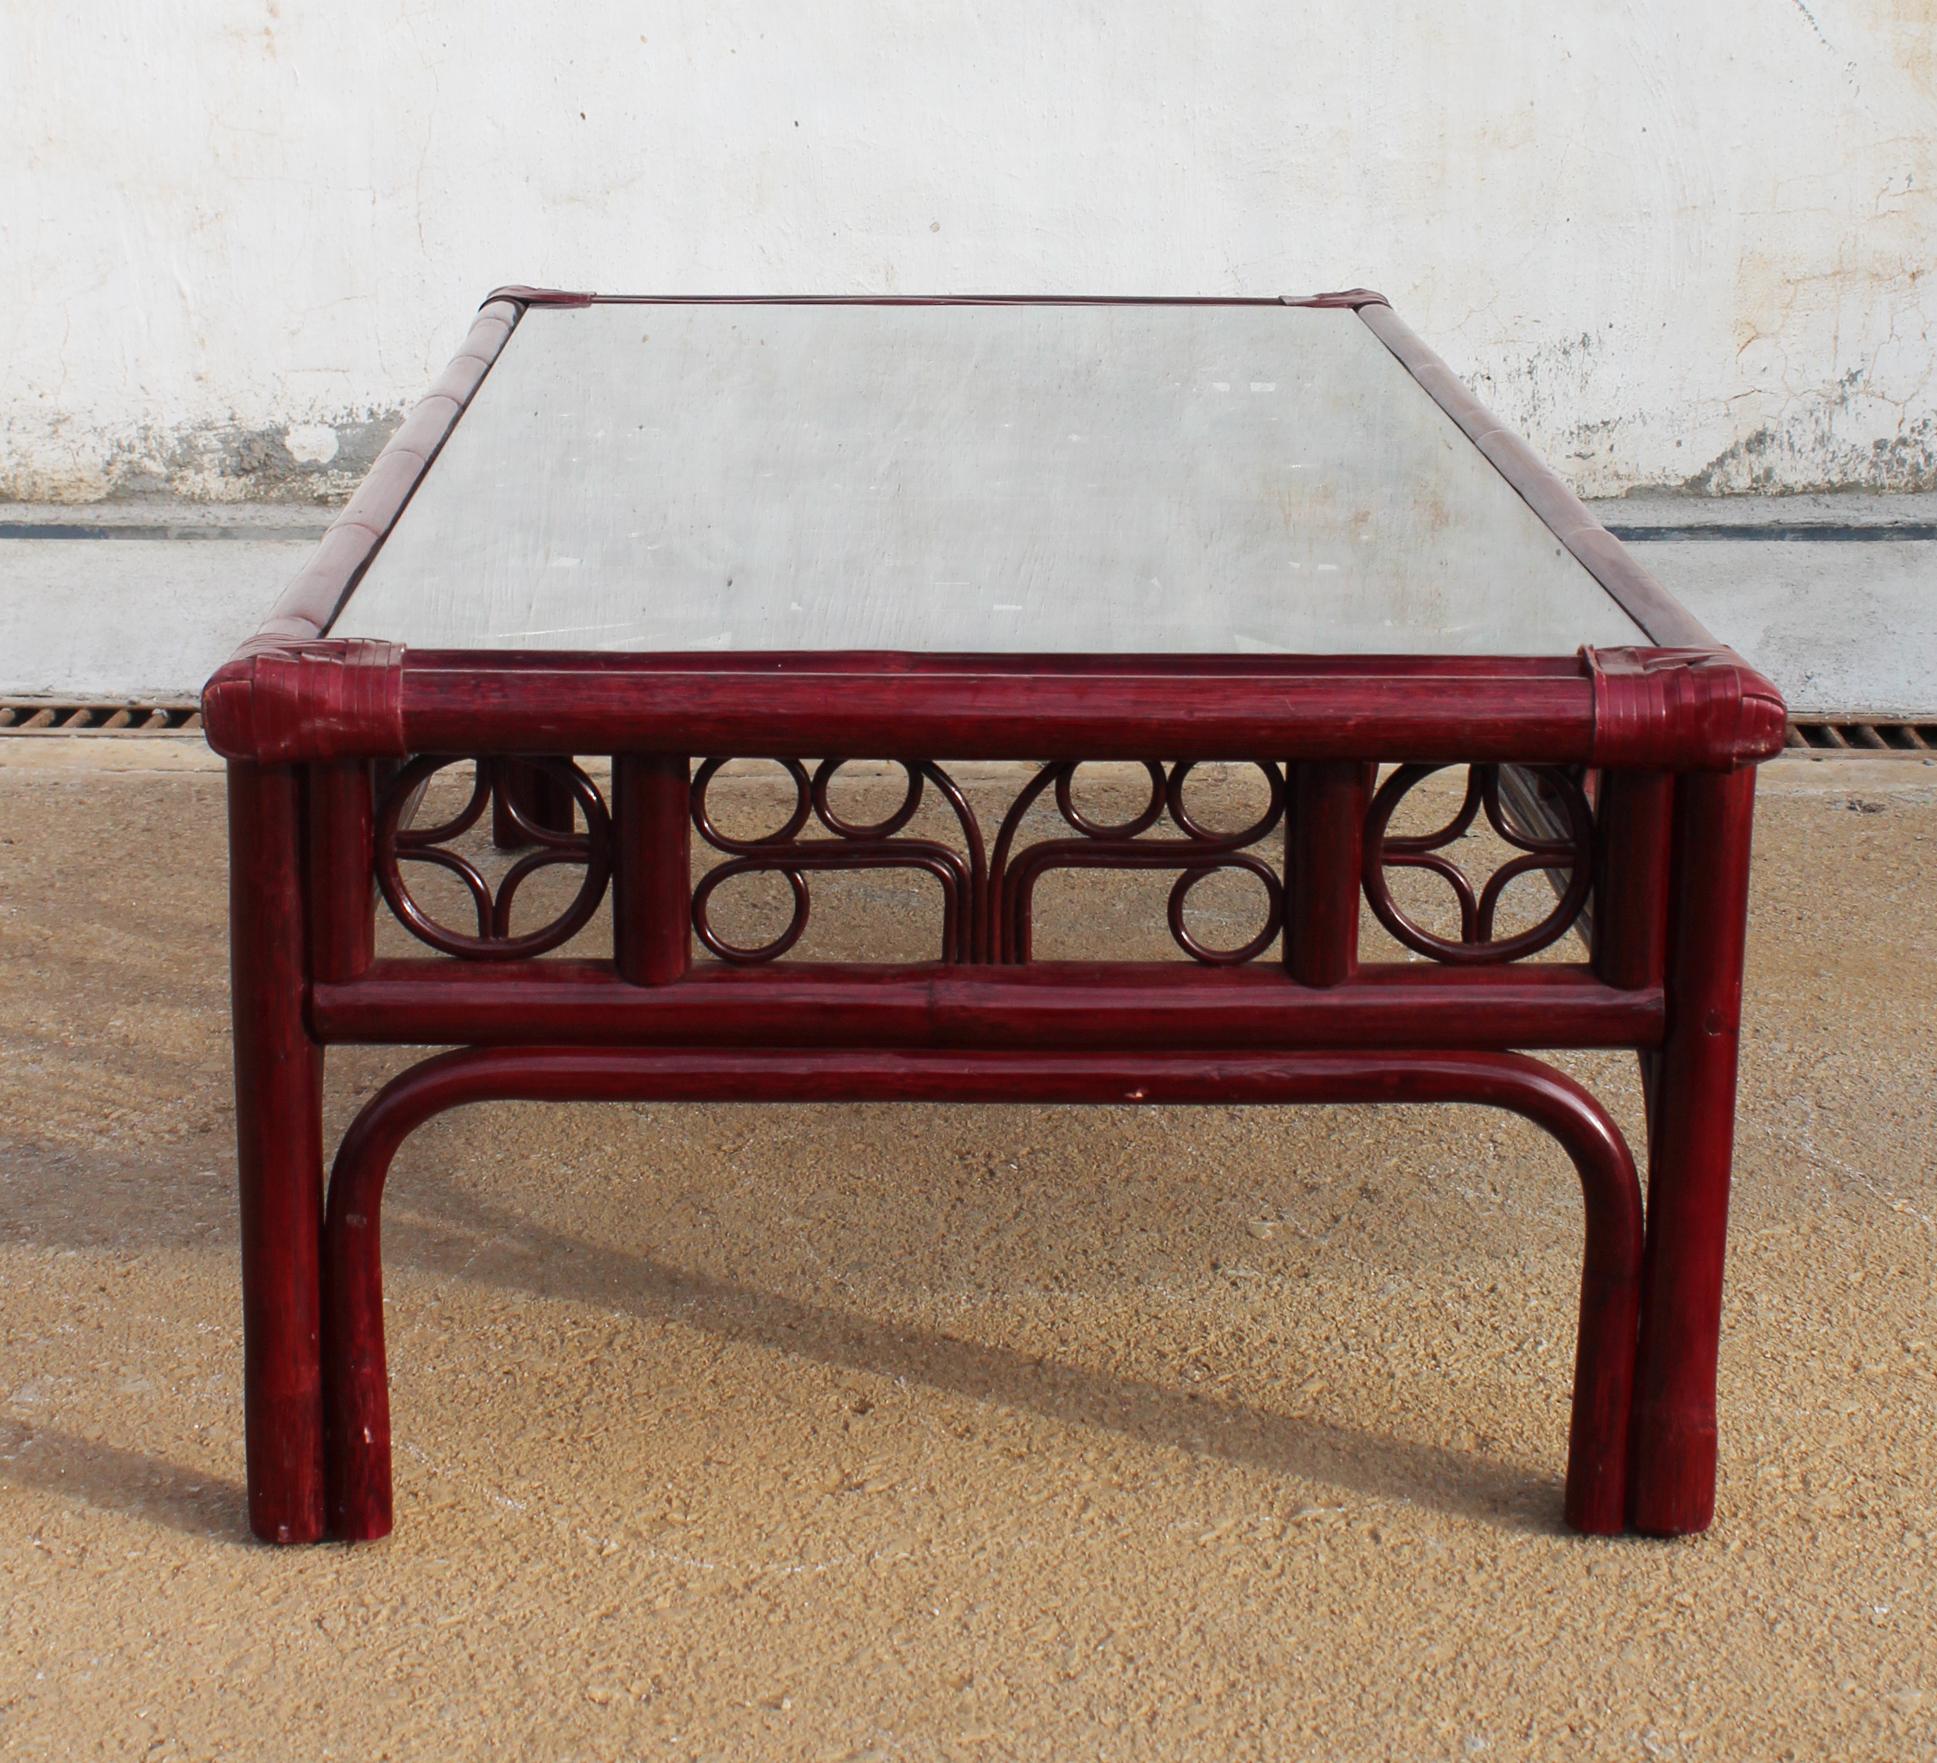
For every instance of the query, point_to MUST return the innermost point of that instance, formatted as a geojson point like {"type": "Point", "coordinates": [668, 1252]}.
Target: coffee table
{"type": "Point", "coordinates": [664, 534]}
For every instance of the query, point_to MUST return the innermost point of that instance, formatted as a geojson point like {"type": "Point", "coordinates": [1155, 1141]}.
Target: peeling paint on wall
{"type": "Point", "coordinates": [1676, 246]}
{"type": "Point", "coordinates": [1781, 460]}
{"type": "Point", "coordinates": [314, 461]}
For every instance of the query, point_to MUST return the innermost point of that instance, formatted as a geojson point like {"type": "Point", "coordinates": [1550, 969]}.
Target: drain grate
{"type": "Point", "coordinates": [1863, 737]}
{"type": "Point", "coordinates": [37, 716]}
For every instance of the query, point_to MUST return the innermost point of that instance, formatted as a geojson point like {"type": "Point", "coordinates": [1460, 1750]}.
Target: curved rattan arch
{"type": "Point", "coordinates": [357, 1406]}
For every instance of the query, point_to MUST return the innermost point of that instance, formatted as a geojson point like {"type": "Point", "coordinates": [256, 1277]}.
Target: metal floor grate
{"type": "Point", "coordinates": [1863, 737]}
{"type": "Point", "coordinates": [39, 716]}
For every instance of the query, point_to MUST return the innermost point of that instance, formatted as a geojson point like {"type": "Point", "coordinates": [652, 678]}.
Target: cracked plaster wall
{"type": "Point", "coordinates": [1676, 245]}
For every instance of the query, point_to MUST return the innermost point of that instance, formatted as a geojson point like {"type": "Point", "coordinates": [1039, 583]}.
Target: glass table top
{"type": "Point", "coordinates": [1131, 479]}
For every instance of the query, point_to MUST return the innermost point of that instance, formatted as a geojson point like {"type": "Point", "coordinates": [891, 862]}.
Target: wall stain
{"type": "Point", "coordinates": [1804, 457]}
{"type": "Point", "coordinates": [1866, 428]}
{"type": "Point", "coordinates": [216, 462]}
{"type": "Point", "coordinates": [1813, 25]}
{"type": "Point", "coordinates": [1910, 26]}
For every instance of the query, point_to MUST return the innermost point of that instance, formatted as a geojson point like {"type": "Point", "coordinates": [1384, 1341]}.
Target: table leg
{"type": "Point", "coordinates": [279, 1156]}
{"type": "Point", "coordinates": [542, 799]}
{"type": "Point", "coordinates": [1690, 1138]}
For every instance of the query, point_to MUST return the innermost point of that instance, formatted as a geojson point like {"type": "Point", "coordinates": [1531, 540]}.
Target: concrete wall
{"type": "Point", "coordinates": [1677, 242]}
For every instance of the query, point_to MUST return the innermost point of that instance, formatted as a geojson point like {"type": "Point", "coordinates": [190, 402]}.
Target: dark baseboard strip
{"type": "Point", "coordinates": [1806, 532]}
{"type": "Point", "coordinates": [1901, 532]}
{"type": "Point", "coordinates": [49, 529]}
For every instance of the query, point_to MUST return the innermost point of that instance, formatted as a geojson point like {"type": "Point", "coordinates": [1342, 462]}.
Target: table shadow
{"type": "Point", "coordinates": [502, 1247]}
{"type": "Point", "coordinates": [89, 1472]}
{"type": "Point", "coordinates": [522, 1254]}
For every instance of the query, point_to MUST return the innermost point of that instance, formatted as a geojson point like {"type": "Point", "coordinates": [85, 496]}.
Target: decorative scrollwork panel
{"type": "Point", "coordinates": [987, 894]}
{"type": "Point", "coordinates": [961, 874]}
{"type": "Point", "coordinates": [987, 889]}
{"type": "Point", "coordinates": [1200, 853]}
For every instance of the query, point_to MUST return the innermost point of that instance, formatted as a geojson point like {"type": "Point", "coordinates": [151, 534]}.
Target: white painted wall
{"type": "Point", "coordinates": [1674, 241]}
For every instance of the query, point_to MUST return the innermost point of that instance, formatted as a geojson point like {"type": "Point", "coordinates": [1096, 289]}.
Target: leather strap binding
{"type": "Point", "coordinates": [1352, 298]}
{"type": "Point", "coordinates": [522, 295]}
{"type": "Point", "coordinates": [337, 699]}
{"type": "Point", "coordinates": [1676, 708]}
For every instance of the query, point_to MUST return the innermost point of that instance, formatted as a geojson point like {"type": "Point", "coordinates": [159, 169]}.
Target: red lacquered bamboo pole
{"type": "Point", "coordinates": [1324, 836]}
{"type": "Point", "coordinates": [531, 792]}
{"type": "Point", "coordinates": [652, 878]}
{"type": "Point", "coordinates": [1692, 1123]}
{"type": "Point", "coordinates": [1630, 912]}
{"type": "Point", "coordinates": [279, 1157]}
{"type": "Point", "coordinates": [451, 703]}
{"type": "Point", "coordinates": [1053, 1005]}
{"type": "Point", "coordinates": [342, 879]}
{"type": "Point", "coordinates": [359, 1404]}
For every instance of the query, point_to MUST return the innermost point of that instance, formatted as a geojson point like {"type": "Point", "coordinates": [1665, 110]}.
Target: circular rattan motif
{"type": "Point", "coordinates": [1572, 851]}
{"type": "Point", "coordinates": [397, 844]}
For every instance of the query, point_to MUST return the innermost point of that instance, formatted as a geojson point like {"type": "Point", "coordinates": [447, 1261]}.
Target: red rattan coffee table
{"type": "Point", "coordinates": [669, 533]}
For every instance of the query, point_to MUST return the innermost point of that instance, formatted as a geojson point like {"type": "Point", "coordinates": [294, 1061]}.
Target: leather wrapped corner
{"type": "Point", "coordinates": [1350, 298]}
{"type": "Point", "coordinates": [1682, 709]}
{"type": "Point", "coordinates": [521, 295]}
{"type": "Point", "coordinates": [300, 702]}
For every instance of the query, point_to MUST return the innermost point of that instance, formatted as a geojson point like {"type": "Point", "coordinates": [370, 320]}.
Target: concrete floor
{"type": "Point", "coordinates": [1840, 625]}
{"type": "Point", "coordinates": [976, 1433]}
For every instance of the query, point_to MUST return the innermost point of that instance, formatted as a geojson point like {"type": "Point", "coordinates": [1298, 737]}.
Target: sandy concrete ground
{"type": "Point", "coordinates": [875, 1432]}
